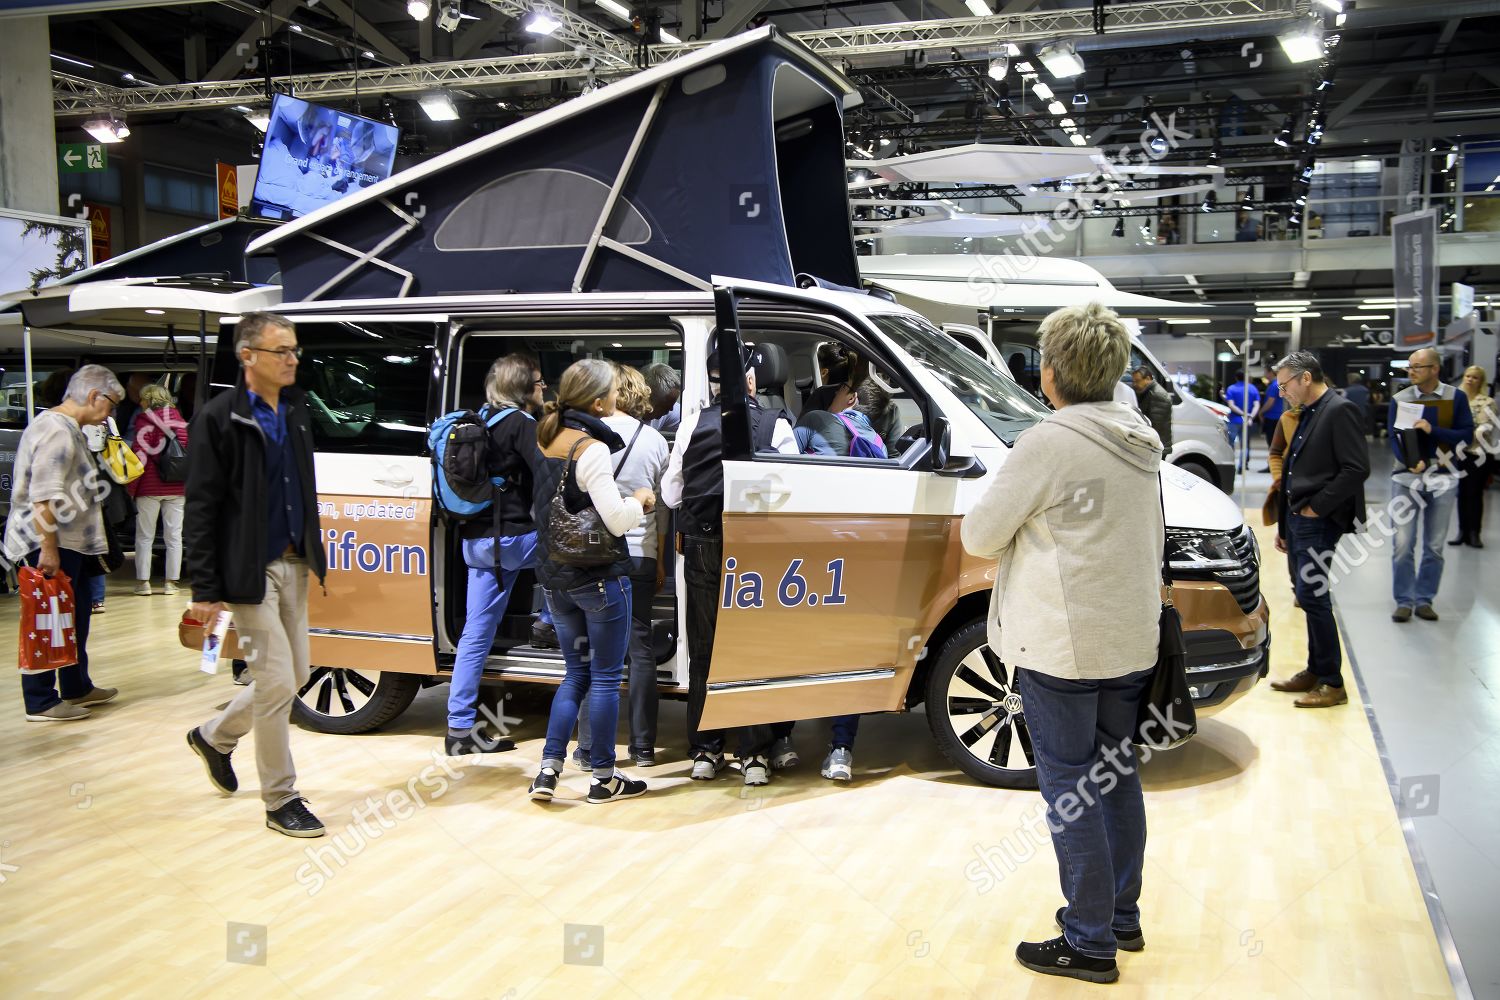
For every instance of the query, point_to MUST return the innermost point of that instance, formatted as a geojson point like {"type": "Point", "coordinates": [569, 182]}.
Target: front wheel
{"type": "Point", "coordinates": [975, 713]}
{"type": "Point", "coordinates": [342, 701]}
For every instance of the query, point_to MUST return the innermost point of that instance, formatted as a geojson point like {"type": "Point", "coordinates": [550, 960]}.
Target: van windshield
{"type": "Point", "coordinates": [999, 402]}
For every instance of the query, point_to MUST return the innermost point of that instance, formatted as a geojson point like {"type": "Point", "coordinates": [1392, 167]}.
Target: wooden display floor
{"type": "Point", "coordinates": [1275, 864]}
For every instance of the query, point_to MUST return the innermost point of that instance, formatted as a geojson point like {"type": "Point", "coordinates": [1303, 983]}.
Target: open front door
{"type": "Point", "coordinates": [832, 565]}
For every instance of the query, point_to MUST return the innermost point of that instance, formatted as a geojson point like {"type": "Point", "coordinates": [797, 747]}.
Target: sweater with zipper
{"type": "Point", "coordinates": [225, 526]}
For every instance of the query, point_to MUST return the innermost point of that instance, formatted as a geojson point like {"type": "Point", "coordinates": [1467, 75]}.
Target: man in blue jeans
{"type": "Point", "coordinates": [1243, 400]}
{"type": "Point", "coordinates": [1323, 497]}
{"type": "Point", "coordinates": [1425, 481]}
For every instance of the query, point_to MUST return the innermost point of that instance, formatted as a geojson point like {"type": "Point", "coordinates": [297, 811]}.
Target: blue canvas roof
{"type": "Point", "coordinates": [729, 160]}
{"type": "Point", "coordinates": [216, 249]}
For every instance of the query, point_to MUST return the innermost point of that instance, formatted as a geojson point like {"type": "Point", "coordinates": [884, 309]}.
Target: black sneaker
{"type": "Point", "coordinates": [544, 785]}
{"type": "Point", "coordinates": [475, 741]}
{"type": "Point", "coordinates": [294, 820]}
{"type": "Point", "coordinates": [617, 787]}
{"type": "Point", "coordinates": [643, 756]}
{"type": "Point", "coordinates": [1124, 940]}
{"type": "Point", "coordinates": [1058, 958]}
{"type": "Point", "coordinates": [581, 759]}
{"type": "Point", "coordinates": [543, 636]}
{"type": "Point", "coordinates": [217, 764]}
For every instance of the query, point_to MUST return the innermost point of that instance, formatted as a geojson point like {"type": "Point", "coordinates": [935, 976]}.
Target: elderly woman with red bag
{"type": "Point", "coordinates": [159, 490]}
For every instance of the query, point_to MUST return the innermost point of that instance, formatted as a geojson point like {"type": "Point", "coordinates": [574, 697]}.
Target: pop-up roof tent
{"type": "Point", "coordinates": [725, 161]}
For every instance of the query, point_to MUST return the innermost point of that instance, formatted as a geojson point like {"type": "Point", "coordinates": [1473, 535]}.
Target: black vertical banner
{"type": "Point", "coordinates": [1415, 276]}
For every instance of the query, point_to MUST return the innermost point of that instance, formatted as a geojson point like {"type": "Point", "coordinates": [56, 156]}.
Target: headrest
{"type": "Point", "coordinates": [772, 367]}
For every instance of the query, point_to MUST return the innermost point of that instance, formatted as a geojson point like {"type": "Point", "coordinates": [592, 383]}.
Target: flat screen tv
{"type": "Point", "coordinates": [314, 155]}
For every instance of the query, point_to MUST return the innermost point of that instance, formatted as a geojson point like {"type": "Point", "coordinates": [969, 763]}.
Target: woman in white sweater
{"type": "Point", "coordinates": [1074, 518]}
{"type": "Point", "coordinates": [589, 597]}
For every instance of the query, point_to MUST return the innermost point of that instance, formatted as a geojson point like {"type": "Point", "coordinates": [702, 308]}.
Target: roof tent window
{"type": "Point", "coordinates": [810, 144]}
{"type": "Point", "coordinates": [535, 209]}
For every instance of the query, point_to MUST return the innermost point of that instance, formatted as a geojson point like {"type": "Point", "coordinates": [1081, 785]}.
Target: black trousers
{"type": "Point", "coordinates": [702, 568]}
{"type": "Point", "coordinates": [1471, 496]}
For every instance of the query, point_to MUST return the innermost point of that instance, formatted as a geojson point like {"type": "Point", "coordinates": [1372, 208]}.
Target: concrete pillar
{"type": "Point", "coordinates": [28, 140]}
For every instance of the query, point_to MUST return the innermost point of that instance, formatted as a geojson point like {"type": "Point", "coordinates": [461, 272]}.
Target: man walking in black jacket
{"type": "Point", "coordinates": [1323, 497]}
{"type": "Point", "coordinates": [251, 533]}
{"type": "Point", "coordinates": [1155, 403]}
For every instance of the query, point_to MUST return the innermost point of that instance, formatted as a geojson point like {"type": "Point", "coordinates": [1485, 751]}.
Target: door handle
{"type": "Point", "coordinates": [770, 492]}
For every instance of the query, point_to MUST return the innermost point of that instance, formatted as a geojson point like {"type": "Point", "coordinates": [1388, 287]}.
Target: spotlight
{"type": "Point", "coordinates": [1213, 155]}
{"type": "Point", "coordinates": [1080, 99]}
{"type": "Point", "coordinates": [1003, 101]}
{"type": "Point", "coordinates": [450, 15]}
{"type": "Point", "coordinates": [111, 129]}
{"type": "Point", "coordinates": [418, 9]}
{"type": "Point", "coordinates": [1303, 42]}
{"type": "Point", "coordinates": [1061, 60]}
{"type": "Point", "coordinates": [1158, 145]}
{"type": "Point", "coordinates": [541, 23]}
{"type": "Point", "coordinates": [1247, 203]}
{"type": "Point", "coordinates": [1210, 200]}
{"type": "Point", "coordinates": [999, 66]}
{"type": "Point", "coordinates": [1284, 137]}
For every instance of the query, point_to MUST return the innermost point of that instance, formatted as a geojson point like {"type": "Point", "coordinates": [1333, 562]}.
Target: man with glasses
{"type": "Point", "coordinates": [251, 534]}
{"type": "Point", "coordinates": [56, 523]}
{"type": "Point", "coordinates": [1323, 498]}
{"type": "Point", "coordinates": [1424, 476]}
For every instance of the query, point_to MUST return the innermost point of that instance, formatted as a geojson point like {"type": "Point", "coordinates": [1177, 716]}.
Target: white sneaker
{"type": "Point", "coordinates": [170, 589]}
{"type": "Point", "coordinates": [783, 754]}
{"type": "Point", "coordinates": [839, 764]}
{"type": "Point", "coordinates": [143, 589]}
{"type": "Point", "coordinates": [706, 766]}
{"type": "Point", "coordinates": [757, 770]}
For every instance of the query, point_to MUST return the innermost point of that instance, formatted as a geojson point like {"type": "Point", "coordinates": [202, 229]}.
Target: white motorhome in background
{"type": "Point", "coordinates": [997, 320]}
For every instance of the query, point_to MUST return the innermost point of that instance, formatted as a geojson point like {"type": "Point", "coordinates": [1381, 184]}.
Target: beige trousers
{"type": "Point", "coordinates": [273, 635]}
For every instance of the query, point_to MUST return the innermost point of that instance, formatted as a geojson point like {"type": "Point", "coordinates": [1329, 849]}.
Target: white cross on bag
{"type": "Point", "coordinates": [56, 623]}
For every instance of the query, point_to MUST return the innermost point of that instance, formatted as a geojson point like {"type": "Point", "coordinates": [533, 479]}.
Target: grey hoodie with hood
{"type": "Point", "coordinates": [1073, 517]}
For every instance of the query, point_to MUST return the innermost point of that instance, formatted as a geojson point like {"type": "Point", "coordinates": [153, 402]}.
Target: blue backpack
{"type": "Point", "coordinates": [460, 446]}
{"type": "Point", "coordinates": [862, 443]}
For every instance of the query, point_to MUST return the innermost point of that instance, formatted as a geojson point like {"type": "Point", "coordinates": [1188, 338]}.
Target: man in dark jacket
{"type": "Point", "coordinates": [1323, 493]}
{"type": "Point", "coordinates": [251, 534]}
{"type": "Point", "coordinates": [1156, 403]}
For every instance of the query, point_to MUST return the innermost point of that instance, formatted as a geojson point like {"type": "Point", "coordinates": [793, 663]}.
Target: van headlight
{"type": "Point", "coordinates": [1203, 552]}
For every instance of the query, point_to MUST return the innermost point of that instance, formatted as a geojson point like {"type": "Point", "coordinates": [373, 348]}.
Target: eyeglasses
{"type": "Point", "coordinates": [281, 352]}
{"type": "Point", "coordinates": [1415, 367]}
{"type": "Point", "coordinates": [539, 382]}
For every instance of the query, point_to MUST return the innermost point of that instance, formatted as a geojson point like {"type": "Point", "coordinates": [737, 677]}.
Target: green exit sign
{"type": "Point", "coordinates": [82, 157]}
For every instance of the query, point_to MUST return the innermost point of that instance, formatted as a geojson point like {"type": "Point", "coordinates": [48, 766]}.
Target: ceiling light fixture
{"type": "Point", "coordinates": [418, 9]}
{"type": "Point", "coordinates": [1041, 90]}
{"type": "Point", "coordinates": [1078, 140]}
{"type": "Point", "coordinates": [1061, 60]}
{"type": "Point", "coordinates": [1080, 99]}
{"type": "Point", "coordinates": [979, 8]}
{"type": "Point", "coordinates": [75, 62]}
{"type": "Point", "coordinates": [617, 9]}
{"type": "Point", "coordinates": [999, 66]}
{"type": "Point", "coordinates": [1056, 108]}
{"type": "Point", "coordinates": [1364, 317]}
{"type": "Point", "coordinates": [439, 106]}
{"type": "Point", "coordinates": [1303, 42]}
{"type": "Point", "coordinates": [111, 129]}
{"type": "Point", "coordinates": [261, 119]}
{"type": "Point", "coordinates": [541, 23]}
{"type": "Point", "coordinates": [1337, 6]}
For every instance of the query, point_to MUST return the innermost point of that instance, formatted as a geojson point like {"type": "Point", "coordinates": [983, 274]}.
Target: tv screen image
{"type": "Point", "coordinates": [315, 155]}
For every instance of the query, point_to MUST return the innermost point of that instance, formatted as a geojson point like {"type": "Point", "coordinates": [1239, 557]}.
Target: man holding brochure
{"type": "Point", "coordinates": [252, 534]}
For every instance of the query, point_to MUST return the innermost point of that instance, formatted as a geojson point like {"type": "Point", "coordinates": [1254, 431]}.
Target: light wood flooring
{"type": "Point", "coordinates": [1275, 866]}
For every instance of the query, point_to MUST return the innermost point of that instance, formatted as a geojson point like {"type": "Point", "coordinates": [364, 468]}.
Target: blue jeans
{"type": "Point", "coordinates": [843, 730]}
{"type": "Point", "coordinates": [492, 575]}
{"type": "Point", "coordinates": [1310, 546]}
{"type": "Point", "coordinates": [96, 588]}
{"type": "Point", "coordinates": [593, 628]}
{"type": "Point", "coordinates": [645, 699]}
{"type": "Point", "coordinates": [1086, 767]}
{"type": "Point", "coordinates": [1414, 584]}
{"type": "Point", "coordinates": [1239, 440]}
{"type": "Point", "coordinates": [40, 691]}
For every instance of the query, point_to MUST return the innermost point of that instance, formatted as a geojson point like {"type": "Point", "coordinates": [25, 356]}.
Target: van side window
{"type": "Point", "coordinates": [537, 208]}
{"type": "Point", "coordinates": [367, 385]}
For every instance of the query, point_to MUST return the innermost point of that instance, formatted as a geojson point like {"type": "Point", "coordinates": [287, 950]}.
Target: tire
{"type": "Point", "coordinates": [975, 715]}
{"type": "Point", "coordinates": [344, 702]}
{"type": "Point", "coordinates": [1199, 468]}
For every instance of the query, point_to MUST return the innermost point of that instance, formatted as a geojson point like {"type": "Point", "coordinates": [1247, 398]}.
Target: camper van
{"type": "Point", "coordinates": [998, 320]}
{"type": "Point", "coordinates": [846, 587]}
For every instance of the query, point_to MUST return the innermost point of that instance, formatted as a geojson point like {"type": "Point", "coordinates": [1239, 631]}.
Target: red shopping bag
{"type": "Point", "coordinates": [48, 637]}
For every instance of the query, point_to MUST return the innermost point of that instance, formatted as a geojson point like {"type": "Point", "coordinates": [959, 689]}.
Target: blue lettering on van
{"type": "Point", "coordinates": [744, 590]}
{"type": "Point", "coordinates": [346, 553]}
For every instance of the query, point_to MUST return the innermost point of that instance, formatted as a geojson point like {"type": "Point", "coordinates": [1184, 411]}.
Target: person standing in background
{"type": "Point", "coordinates": [56, 523]}
{"type": "Point", "coordinates": [1426, 478]}
{"type": "Point", "coordinates": [665, 383]}
{"type": "Point", "coordinates": [1271, 408]}
{"type": "Point", "coordinates": [131, 407]}
{"type": "Point", "coordinates": [252, 535]}
{"type": "Point", "coordinates": [1478, 461]}
{"type": "Point", "coordinates": [154, 495]}
{"type": "Point", "coordinates": [1156, 403]}
{"type": "Point", "coordinates": [1323, 498]}
{"type": "Point", "coordinates": [1243, 400]}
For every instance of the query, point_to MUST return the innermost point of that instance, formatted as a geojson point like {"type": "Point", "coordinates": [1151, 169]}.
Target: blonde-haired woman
{"type": "Point", "coordinates": [1074, 518]}
{"type": "Point", "coordinates": [154, 494]}
{"type": "Point", "coordinates": [640, 465]}
{"type": "Point", "coordinates": [588, 592]}
{"type": "Point", "coordinates": [1479, 462]}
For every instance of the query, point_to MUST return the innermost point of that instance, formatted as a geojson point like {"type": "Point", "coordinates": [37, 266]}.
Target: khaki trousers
{"type": "Point", "coordinates": [273, 636]}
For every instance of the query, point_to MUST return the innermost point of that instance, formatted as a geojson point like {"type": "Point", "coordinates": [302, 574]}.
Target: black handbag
{"type": "Point", "coordinates": [1166, 717]}
{"type": "Point", "coordinates": [579, 539]}
{"type": "Point", "coordinates": [172, 463]}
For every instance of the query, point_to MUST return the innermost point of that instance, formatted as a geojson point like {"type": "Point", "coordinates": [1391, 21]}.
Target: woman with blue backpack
{"type": "Point", "coordinates": [496, 529]}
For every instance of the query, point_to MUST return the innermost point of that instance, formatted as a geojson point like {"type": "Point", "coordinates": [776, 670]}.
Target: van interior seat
{"type": "Point", "coordinates": [772, 369]}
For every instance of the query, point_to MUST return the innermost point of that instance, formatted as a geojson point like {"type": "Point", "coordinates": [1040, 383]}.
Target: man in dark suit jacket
{"type": "Point", "coordinates": [1323, 491]}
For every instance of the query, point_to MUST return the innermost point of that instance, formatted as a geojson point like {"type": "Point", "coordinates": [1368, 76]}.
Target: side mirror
{"type": "Point", "coordinates": [940, 433]}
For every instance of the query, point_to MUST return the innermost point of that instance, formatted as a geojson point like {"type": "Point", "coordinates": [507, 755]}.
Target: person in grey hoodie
{"type": "Point", "coordinates": [1074, 518]}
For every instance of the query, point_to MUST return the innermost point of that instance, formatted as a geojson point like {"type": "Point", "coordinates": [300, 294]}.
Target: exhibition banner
{"type": "Point", "coordinates": [229, 190]}
{"type": "Point", "coordinates": [1415, 277]}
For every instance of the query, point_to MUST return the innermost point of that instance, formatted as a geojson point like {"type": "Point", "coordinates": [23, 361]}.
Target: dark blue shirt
{"type": "Point", "coordinates": [285, 515]}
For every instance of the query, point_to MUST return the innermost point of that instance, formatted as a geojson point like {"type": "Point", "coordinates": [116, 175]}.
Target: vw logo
{"type": "Point", "coordinates": [1012, 704]}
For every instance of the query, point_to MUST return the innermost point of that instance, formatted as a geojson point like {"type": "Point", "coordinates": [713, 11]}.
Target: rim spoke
{"type": "Point", "coordinates": [318, 673]}
{"type": "Point", "coordinates": [980, 729]}
{"type": "Point", "coordinates": [343, 689]}
{"type": "Point", "coordinates": [361, 683]}
{"type": "Point", "coordinates": [1000, 754]}
{"type": "Point", "coordinates": [1023, 734]}
{"type": "Point", "coordinates": [973, 678]}
{"type": "Point", "coordinates": [325, 696]}
{"type": "Point", "coordinates": [960, 705]}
